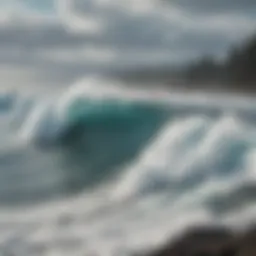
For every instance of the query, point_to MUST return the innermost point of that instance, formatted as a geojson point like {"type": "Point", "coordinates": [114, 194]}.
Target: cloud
{"type": "Point", "coordinates": [148, 24]}
{"type": "Point", "coordinates": [70, 14]}
{"type": "Point", "coordinates": [216, 6]}
{"type": "Point", "coordinates": [82, 54]}
{"type": "Point", "coordinates": [83, 36]}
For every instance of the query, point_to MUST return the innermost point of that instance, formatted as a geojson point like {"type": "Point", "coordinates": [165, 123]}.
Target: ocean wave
{"type": "Point", "coordinates": [131, 166]}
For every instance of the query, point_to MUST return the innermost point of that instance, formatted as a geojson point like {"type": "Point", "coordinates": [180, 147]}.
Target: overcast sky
{"type": "Point", "coordinates": [49, 43]}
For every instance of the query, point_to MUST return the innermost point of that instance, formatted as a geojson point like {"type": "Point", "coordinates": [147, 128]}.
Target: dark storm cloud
{"type": "Point", "coordinates": [125, 36]}
{"type": "Point", "coordinates": [122, 30]}
{"type": "Point", "coordinates": [216, 6]}
{"type": "Point", "coordinates": [126, 39]}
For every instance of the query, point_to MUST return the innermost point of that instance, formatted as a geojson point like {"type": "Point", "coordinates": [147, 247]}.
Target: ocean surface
{"type": "Point", "coordinates": [101, 169]}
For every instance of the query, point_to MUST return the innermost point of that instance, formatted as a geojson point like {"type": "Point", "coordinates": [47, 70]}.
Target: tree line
{"type": "Point", "coordinates": [237, 71]}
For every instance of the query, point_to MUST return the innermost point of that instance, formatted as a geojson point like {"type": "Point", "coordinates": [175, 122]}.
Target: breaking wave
{"type": "Point", "coordinates": [138, 160]}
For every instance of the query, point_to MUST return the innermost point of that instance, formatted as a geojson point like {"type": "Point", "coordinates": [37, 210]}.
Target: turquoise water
{"type": "Point", "coordinates": [100, 137]}
{"type": "Point", "coordinates": [123, 168]}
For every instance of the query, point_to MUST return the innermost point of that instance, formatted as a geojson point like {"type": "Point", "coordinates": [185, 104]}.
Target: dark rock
{"type": "Point", "coordinates": [210, 241]}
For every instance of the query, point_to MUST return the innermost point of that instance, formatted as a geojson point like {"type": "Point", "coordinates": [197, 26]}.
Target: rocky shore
{"type": "Point", "coordinates": [211, 241]}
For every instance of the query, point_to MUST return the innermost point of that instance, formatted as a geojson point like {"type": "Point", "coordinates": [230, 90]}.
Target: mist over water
{"type": "Point", "coordinates": [120, 163]}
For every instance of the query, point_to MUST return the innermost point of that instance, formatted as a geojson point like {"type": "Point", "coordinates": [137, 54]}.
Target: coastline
{"type": "Point", "coordinates": [210, 241]}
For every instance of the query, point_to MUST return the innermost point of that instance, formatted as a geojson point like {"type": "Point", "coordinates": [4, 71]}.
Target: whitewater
{"type": "Point", "coordinates": [101, 168]}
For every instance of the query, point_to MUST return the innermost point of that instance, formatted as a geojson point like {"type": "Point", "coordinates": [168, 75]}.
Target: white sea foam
{"type": "Point", "coordinates": [193, 163]}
